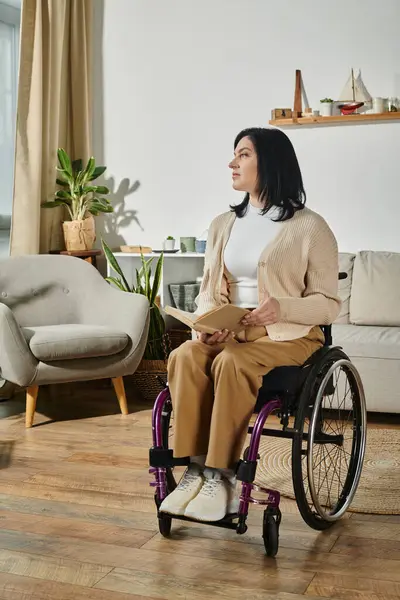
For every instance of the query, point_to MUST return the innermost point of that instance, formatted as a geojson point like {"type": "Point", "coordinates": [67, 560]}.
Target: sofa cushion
{"type": "Point", "coordinates": [375, 292]}
{"type": "Point", "coordinates": [61, 342]}
{"type": "Point", "coordinates": [368, 341]}
{"type": "Point", "coordinates": [346, 264]}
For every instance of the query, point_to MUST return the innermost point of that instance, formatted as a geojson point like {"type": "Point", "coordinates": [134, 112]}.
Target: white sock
{"type": "Point", "coordinates": [228, 474]}
{"type": "Point", "coordinates": [199, 460]}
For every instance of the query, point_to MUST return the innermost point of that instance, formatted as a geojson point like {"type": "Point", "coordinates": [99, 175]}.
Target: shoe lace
{"type": "Point", "coordinates": [187, 480]}
{"type": "Point", "coordinates": [210, 487]}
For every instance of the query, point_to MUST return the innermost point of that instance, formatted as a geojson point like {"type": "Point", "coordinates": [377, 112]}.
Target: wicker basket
{"type": "Point", "coordinates": [147, 378]}
{"type": "Point", "coordinates": [151, 375]}
{"type": "Point", "coordinates": [178, 337]}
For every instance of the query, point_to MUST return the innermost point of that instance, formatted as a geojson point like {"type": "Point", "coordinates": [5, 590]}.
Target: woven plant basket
{"type": "Point", "coordinates": [178, 337]}
{"type": "Point", "coordinates": [150, 377]}
{"type": "Point", "coordinates": [146, 378]}
{"type": "Point", "coordinates": [79, 235]}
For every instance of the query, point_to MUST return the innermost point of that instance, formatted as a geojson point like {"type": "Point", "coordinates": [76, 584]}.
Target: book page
{"type": "Point", "coordinates": [227, 317]}
{"type": "Point", "coordinates": [182, 315]}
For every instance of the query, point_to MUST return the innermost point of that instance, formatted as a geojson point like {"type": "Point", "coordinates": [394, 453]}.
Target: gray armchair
{"type": "Point", "coordinates": [61, 321]}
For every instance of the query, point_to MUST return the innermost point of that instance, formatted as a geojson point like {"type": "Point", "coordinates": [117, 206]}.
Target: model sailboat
{"type": "Point", "coordinates": [354, 94]}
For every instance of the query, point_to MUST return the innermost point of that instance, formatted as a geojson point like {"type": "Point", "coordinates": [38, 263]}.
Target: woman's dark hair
{"type": "Point", "coordinates": [279, 177]}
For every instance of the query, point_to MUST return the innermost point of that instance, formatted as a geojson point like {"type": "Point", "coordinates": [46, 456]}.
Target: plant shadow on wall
{"type": "Point", "coordinates": [113, 224]}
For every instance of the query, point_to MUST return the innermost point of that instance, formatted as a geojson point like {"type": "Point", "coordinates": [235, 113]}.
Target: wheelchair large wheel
{"type": "Point", "coordinates": [329, 446]}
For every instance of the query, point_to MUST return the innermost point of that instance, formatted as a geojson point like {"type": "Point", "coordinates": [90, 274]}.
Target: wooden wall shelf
{"type": "Point", "coordinates": [337, 120]}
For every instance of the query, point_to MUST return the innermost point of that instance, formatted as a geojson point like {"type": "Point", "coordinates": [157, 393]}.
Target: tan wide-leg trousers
{"type": "Point", "coordinates": [214, 391]}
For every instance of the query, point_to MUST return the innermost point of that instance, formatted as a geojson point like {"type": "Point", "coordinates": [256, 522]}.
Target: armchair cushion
{"type": "Point", "coordinates": [62, 342]}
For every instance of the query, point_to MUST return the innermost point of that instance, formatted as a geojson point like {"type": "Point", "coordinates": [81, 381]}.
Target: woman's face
{"type": "Point", "coordinates": [244, 167]}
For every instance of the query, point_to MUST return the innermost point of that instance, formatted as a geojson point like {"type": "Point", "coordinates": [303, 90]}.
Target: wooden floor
{"type": "Point", "coordinates": [77, 521]}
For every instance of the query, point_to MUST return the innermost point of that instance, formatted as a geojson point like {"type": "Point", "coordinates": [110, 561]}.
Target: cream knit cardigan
{"type": "Point", "coordinates": [299, 268]}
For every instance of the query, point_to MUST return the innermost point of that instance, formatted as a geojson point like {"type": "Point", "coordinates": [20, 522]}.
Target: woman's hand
{"type": "Point", "coordinates": [219, 337]}
{"type": "Point", "coordinates": [267, 313]}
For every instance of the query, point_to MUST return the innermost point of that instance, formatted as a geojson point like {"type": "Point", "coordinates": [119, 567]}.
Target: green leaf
{"type": "Point", "coordinates": [97, 172]}
{"type": "Point", "coordinates": [99, 207]}
{"type": "Point", "coordinates": [139, 288]}
{"type": "Point", "coordinates": [63, 195]}
{"type": "Point", "coordinates": [62, 183]}
{"type": "Point", "coordinates": [89, 169]}
{"type": "Point", "coordinates": [157, 279]}
{"type": "Point", "coordinates": [117, 281]}
{"type": "Point", "coordinates": [101, 189]}
{"type": "Point", "coordinates": [77, 165]}
{"type": "Point", "coordinates": [112, 261]}
{"type": "Point", "coordinates": [101, 200]}
{"type": "Point", "coordinates": [96, 189]}
{"type": "Point", "coordinates": [64, 161]}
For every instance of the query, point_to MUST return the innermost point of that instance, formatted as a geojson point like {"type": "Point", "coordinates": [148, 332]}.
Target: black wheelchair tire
{"type": "Point", "coordinates": [271, 533]}
{"type": "Point", "coordinates": [164, 524]}
{"type": "Point", "coordinates": [310, 516]}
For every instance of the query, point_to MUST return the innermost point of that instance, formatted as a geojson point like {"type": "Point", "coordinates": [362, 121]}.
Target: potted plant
{"type": "Point", "coordinates": [154, 362]}
{"type": "Point", "coordinates": [169, 243]}
{"type": "Point", "coordinates": [81, 199]}
{"type": "Point", "coordinates": [326, 107]}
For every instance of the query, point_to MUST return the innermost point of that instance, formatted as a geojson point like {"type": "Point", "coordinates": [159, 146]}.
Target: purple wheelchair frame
{"type": "Point", "coordinates": [160, 482]}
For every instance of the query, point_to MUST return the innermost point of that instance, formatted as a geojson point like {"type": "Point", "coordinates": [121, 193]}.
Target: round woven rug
{"type": "Point", "coordinates": [379, 488]}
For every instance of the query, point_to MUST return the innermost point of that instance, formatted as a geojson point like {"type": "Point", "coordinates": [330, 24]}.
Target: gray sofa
{"type": "Point", "coordinates": [61, 321]}
{"type": "Point", "coordinates": [368, 327]}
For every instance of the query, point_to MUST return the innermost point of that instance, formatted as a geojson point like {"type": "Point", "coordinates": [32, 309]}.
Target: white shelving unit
{"type": "Point", "coordinates": [180, 267]}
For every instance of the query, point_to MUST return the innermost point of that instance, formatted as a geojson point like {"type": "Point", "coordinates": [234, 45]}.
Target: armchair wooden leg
{"type": "Point", "coordinates": [31, 397]}
{"type": "Point", "coordinates": [118, 383]}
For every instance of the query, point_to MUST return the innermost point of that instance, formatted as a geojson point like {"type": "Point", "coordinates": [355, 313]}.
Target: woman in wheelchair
{"type": "Point", "coordinates": [270, 254]}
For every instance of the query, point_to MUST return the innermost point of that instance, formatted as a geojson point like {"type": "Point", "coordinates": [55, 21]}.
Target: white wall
{"type": "Point", "coordinates": [175, 80]}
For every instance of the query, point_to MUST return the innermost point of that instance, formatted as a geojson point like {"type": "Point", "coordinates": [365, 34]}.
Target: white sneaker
{"type": "Point", "coordinates": [233, 497]}
{"type": "Point", "coordinates": [211, 502]}
{"type": "Point", "coordinates": [187, 489]}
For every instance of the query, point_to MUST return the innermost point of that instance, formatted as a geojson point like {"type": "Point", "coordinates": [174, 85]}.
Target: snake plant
{"type": "Point", "coordinates": [147, 286]}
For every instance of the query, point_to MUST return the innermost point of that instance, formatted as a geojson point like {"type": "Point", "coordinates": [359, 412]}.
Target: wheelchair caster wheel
{"type": "Point", "coordinates": [241, 528]}
{"type": "Point", "coordinates": [164, 524]}
{"type": "Point", "coordinates": [271, 524]}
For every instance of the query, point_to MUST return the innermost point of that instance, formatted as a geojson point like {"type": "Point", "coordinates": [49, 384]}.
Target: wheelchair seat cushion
{"type": "Point", "coordinates": [280, 381]}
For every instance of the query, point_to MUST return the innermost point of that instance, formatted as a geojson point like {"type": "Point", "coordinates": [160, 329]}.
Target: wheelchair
{"type": "Point", "coordinates": [321, 406]}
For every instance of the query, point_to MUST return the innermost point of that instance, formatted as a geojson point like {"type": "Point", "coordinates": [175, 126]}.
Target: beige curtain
{"type": "Point", "coordinates": [54, 110]}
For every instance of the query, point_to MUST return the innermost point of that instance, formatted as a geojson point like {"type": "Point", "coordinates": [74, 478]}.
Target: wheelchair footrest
{"type": "Point", "coordinates": [163, 458]}
{"type": "Point", "coordinates": [228, 522]}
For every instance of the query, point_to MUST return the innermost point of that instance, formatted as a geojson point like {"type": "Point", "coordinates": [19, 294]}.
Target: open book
{"type": "Point", "coordinates": [227, 317]}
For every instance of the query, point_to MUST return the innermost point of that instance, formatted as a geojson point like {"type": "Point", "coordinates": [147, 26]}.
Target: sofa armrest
{"type": "Point", "coordinates": [17, 363]}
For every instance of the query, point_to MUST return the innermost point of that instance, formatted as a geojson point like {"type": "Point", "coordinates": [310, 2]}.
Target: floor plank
{"type": "Point", "coordinates": [77, 520]}
{"type": "Point", "coordinates": [93, 532]}
{"type": "Point", "coordinates": [377, 548]}
{"type": "Point", "coordinates": [185, 588]}
{"type": "Point", "coordinates": [146, 521]}
{"type": "Point", "coordinates": [17, 587]}
{"type": "Point", "coordinates": [51, 568]}
{"type": "Point", "coordinates": [265, 574]}
{"type": "Point", "coordinates": [352, 587]}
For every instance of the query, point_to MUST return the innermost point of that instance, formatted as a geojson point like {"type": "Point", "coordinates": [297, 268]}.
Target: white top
{"type": "Point", "coordinates": [249, 237]}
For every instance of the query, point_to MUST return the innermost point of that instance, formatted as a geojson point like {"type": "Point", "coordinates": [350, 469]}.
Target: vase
{"type": "Point", "coordinates": [169, 244]}
{"type": "Point", "coordinates": [326, 109]}
{"type": "Point", "coordinates": [79, 235]}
